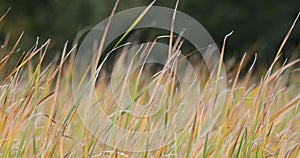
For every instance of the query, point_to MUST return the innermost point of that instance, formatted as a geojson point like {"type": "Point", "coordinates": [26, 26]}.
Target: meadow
{"type": "Point", "coordinates": [39, 107]}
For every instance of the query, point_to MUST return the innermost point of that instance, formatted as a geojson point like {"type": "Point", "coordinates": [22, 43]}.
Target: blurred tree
{"type": "Point", "coordinates": [259, 24]}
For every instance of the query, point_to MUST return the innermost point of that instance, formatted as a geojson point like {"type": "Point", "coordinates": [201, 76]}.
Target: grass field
{"type": "Point", "coordinates": [38, 110]}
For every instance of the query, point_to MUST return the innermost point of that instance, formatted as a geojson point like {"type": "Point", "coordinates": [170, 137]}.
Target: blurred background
{"type": "Point", "coordinates": [259, 26]}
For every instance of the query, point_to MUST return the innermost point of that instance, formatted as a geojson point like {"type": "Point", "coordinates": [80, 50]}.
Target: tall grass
{"type": "Point", "coordinates": [38, 115]}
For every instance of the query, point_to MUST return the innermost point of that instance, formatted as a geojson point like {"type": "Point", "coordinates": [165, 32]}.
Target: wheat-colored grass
{"type": "Point", "coordinates": [38, 115]}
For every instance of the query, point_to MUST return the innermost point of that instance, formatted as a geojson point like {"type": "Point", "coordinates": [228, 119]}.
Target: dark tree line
{"type": "Point", "coordinates": [258, 25]}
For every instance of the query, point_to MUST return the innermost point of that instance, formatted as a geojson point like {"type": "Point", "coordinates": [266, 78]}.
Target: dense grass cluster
{"type": "Point", "coordinates": [38, 110]}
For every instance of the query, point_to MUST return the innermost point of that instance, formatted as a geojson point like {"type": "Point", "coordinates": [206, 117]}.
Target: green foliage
{"type": "Point", "coordinates": [258, 25]}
